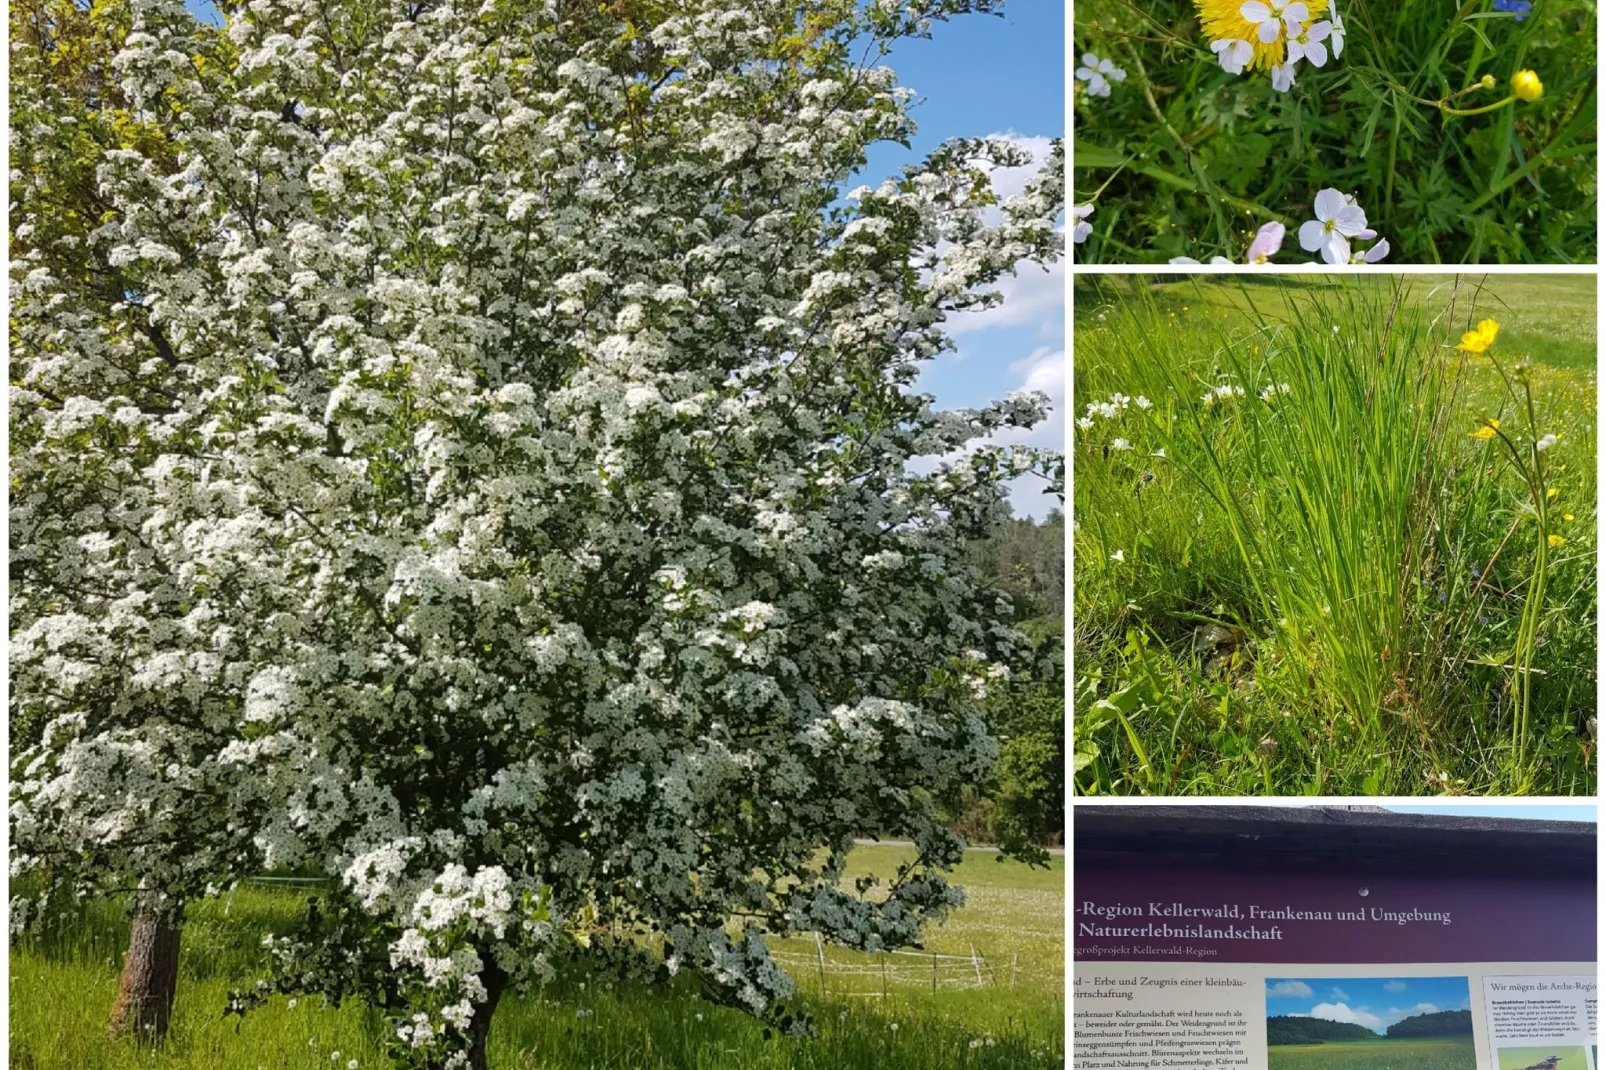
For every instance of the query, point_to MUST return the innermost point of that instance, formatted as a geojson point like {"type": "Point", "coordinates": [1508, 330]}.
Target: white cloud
{"type": "Point", "coordinates": [1395, 1014]}
{"type": "Point", "coordinates": [1044, 371]}
{"type": "Point", "coordinates": [1339, 994]}
{"type": "Point", "coordinates": [1340, 1011]}
{"type": "Point", "coordinates": [1032, 294]}
{"type": "Point", "coordinates": [1343, 1012]}
{"type": "Point", "coordinates": [1012, 181]}
{"type": "Point", "coordinates": [1289, 988]}
{"type": "Point", "coordinates": [1394, 986]}
{"type": "Point", "coordinates": [1032, 310]}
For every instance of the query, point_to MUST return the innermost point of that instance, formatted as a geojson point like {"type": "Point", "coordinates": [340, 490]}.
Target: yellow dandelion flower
{"type": "Point", "coordinates": [1480, 338]}
{"type": "Point", "coordinates": [1555, 540]}
{"type": "Point", "coordinates": [1223, 21]}
{"type": "Point", "coordinates": [1486, 432]}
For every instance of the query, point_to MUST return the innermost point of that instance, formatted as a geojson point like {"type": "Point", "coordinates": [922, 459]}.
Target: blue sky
{"type": "Point", "coordinates": [1542, 812]}
{"type": "Point", "coordinates": [1375, 1002]}
{"type": "Point", "coordinates": [981, 75]}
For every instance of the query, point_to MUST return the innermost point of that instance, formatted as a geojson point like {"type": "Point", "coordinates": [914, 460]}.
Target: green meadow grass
{"type": "Point", "coordinates": [1183, 159]}
{"type": "Point", "coordinates": [1542, 315]}
{"type": "Point", "coordinates": [63, 986]}
{"type": "Point", "coordinates": [1337, 589]}
{"type": "Point", "coordinates": [1425, 1053]}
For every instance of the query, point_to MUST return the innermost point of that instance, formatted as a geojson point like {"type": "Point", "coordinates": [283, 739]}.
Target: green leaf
{"type": "Point", "coordinates": [1122, 701]}
{"type": "Point", "coordinates": [1085, 155]}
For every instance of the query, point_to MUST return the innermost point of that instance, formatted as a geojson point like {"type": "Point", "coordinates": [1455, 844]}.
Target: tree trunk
{"type": "Point", "coordinates": [479, 1051]}
{"type": "Point", "coordinates": [150, 971]}
{"type": "Point", "coordinates": [495, 982]}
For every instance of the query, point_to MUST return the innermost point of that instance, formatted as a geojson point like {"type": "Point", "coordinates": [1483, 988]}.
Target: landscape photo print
{"type": "Point", "coordinates": [1329, 1023]}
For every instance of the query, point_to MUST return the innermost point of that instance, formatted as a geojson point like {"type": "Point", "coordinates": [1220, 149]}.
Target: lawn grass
{"type": "Point", "coordinates": [1548, 316]}
{"type": "Point", "coordinates": [62, 990]}
{"type": "Point", "coordinates": [1336, 589]}
{"type": "Point", "coordinates": [1418, 1053]}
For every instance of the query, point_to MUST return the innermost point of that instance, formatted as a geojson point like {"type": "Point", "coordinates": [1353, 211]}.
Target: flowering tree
{"type": "Point", "coordinates": [510, 425]}
{"type": "Point", "coordinates": [128, 607]}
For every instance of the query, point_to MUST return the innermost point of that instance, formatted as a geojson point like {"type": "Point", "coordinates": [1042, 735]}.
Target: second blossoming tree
{"type": "Point", "coordinates": [517, 420]}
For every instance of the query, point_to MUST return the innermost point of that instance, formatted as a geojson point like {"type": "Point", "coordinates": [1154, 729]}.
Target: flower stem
{"type": "Point", "coordinates": [1446, 109]}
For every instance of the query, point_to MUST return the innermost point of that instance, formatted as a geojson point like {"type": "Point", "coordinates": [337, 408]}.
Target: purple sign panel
{"type": "Point", "coordinates": [1145, 915]}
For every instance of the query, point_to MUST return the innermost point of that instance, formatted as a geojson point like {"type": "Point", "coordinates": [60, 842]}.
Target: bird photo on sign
{"type": "Point", "coordinates": [1543, 1057]}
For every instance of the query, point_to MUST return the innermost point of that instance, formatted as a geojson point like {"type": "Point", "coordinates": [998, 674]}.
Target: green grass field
{"type": "Point", "coordinates": [62, 991]}
{"type": "Point", "coordinates": [1322, 580]}
{"type": "Point", "coordinates": [1427, 1053]}
{"type": "Point", "coordinates": [1548, 316]}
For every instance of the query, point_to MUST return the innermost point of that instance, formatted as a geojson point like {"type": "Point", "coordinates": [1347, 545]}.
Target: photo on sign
{"type": "Point", "coordinates": [1546, 1057]}
{"type": "Point", "coordinates": [1374, 1023]}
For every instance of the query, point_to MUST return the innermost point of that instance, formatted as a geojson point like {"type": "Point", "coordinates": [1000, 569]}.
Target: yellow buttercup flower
{"type": "Point", "coordinates": [1486, 432]}
{"type": "Point", "coordinates": [1567, 516]}
{"type": "Point", "coordinates": [1480, 338]}
{"type": "Point", "coordinates": [1527, 86]}
{"type": "Point", "coordinates": [1555, 540]}
{"type": "Point", "coordinates": [1552, 492]}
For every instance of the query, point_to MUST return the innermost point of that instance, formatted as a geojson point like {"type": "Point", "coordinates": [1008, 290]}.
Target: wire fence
{"type": "Point", "coordinates": [288, 882]}
{"type": "Point", "coordinates": [845, 972]}
{"type": "Point", "coordinates": [877, 973]}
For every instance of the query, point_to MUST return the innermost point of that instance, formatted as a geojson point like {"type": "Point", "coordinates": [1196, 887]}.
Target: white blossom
{"type": "Point", "coordinates": [456, 473]}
